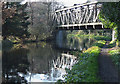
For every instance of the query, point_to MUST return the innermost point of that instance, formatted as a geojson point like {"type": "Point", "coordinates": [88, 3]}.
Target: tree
{"type": "Point", "coordinates": [14, 20]}
{"type": "Point", "coordinates": [40, 17]}
{"type": "Point", "coordinates": [110, 17]}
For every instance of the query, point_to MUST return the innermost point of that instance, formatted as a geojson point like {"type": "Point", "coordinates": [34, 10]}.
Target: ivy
{"type": "Point", "coordinates": [110, 16]}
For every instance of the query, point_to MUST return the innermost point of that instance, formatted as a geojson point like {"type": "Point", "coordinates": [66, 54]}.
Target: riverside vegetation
{"type": "Point", "coordinates": [86, 69]}
{"type": "Point", "coordinates": [115, 55]}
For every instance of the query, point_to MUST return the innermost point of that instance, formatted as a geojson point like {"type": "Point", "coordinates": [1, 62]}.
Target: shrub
{"type": "Point", "coordinates": [102, 38]}
{"type": "Point", "coordinates": [99, 43]}
{"type": "Point", "coordinates": [86, 69]}
{"type": "Point", "coordinates": [115, 55]}
{"type": "Point", "coordinates": [112, 44]}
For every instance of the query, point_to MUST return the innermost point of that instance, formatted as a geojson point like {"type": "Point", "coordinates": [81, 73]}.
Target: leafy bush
{"type": "Point", "coordinates": [115, 55]}
{"type": "Point", "coordinates": [14, 39]}
{"type": "Point", "coordinates": [86, 69]}
{"type": "Point", "coordinates": [99, 43]}
{"type": "Point", "coordinates": [106, 38]}
{"type": "Point", "coordinates": [112, 44]}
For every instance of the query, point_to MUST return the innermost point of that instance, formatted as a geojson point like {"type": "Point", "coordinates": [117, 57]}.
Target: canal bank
{"type": "Point", "coordinates": [106, 63]}
{"type": "Point", "coordinates": [86, 69]}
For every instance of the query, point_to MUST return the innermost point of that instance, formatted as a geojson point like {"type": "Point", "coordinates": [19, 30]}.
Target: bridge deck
{"type": "Point", "coordinates": [86, 26]}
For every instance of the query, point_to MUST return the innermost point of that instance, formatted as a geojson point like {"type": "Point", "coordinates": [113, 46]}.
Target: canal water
{"type": "Point", "coordinates": [41, 62]}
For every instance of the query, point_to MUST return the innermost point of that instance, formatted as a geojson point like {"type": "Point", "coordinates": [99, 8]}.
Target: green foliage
{"type": "Point", "coordinates": [110, 16]}
{"type": "Point", "coordinates": [87, 67]}
{"type": "Point", "coordinates": [99, 43]}
{"type": "Point", "coordinates": [85, 35]}
{"type": "Point", "coordinates": [112, 44]}
{"type": "Point", "coordinates": [110, 12]}
{"type": "Point", "coordinates": [14, 39]}
{"type": "Point", "coordinates": [96, 37]}
{"type": "Point", "coordinates": [107, 23]}
{"type": "Point", "coordinates": [115, 55]}
{"type": "Point", "coordinates": [100, 37]}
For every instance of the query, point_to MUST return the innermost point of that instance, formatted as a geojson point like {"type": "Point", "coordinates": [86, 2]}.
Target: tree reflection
{"type": "Point", "coordinates": [78, 43]}
{"type": "Point", "coordinates": [14, 62]}
{"type": "Point", "coordinates": [47, 63]}
{"type": "Point", "coordinates": [40, 57]}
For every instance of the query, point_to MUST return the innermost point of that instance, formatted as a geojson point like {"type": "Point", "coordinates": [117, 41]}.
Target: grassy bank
{"type": "Point", "coordinates": [115, 55]}
{"type": "Point", "coordinates": [86, 69]}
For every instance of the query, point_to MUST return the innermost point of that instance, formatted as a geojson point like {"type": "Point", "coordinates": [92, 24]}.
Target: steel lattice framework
{"type": "Point", "coordinates": [79, 17]}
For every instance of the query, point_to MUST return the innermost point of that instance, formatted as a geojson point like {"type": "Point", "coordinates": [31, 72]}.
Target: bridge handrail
{"type": "Point", "coordinates": [84, 4]}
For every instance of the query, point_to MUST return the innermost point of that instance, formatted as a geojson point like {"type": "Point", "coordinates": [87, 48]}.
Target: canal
{"type": "Point", "coordinates": [41, 62]}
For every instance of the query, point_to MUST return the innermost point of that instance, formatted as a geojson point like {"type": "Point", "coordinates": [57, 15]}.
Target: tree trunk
{"type": "Point", "coordinates": [36, 37]}
{"type": "Point", "coordinates": [113, 35]}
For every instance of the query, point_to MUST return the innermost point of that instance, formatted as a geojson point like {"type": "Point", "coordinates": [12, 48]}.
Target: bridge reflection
{"type": "Point", "coordinates": [65, 61]}
{"type": "Point", "coordinates": [57, 69]}
{"type": "Point", "coordinates": [60, 64]}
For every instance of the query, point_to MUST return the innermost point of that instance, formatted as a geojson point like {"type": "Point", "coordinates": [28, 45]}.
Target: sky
{"type": "Point", "coordinates": [65, 2]}
{"type": "Point", "coordinates": [71, 2]}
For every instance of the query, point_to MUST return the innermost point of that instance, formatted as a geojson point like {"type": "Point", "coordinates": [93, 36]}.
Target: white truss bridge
{"type": "Point", "coordinates": [79, 17]}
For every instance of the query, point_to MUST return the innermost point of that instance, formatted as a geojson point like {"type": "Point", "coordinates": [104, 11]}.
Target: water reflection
{"type": "Point", "coordinates": [39, 62]}
{"type": "Point", "coordinates": [56, 71]}
{"type": "Point", "coordinates": [74, 43]}
{"type": "Point", "coordinates": [47, 64]}
{"type": "Point", "coordinates": [14, 61]}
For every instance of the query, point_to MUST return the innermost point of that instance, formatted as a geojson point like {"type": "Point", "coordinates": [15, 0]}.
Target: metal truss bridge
{"type": "Point", "coordinates": [79, 17]}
